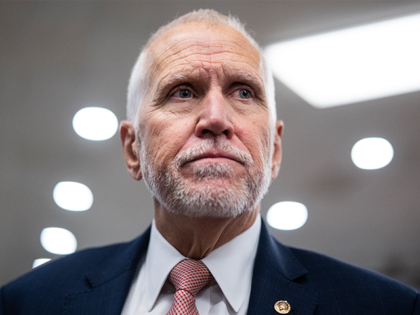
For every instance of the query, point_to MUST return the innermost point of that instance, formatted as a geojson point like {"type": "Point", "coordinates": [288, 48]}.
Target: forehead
{"type": "Point", "coordinates": [195, 44]}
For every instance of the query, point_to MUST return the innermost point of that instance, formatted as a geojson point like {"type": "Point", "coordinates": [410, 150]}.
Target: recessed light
{"type": "Point", "coordinates": [351, 65]}
{"type": "Point", "coordinates": [73, 196]}
{"type": "Point", "coordinates": [287, 215]}
{"type": "Point", "coordinates": [39, 262]}
{"type": "Point", "coordinates": [95, 123]}
{"type": "Point", "coordinates": [372, 153]}
{"type": "Point", "coordinates": [58, 241]}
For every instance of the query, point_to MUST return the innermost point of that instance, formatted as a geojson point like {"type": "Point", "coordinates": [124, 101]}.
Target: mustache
{"type": "Point", "coordinates": [222, 145]}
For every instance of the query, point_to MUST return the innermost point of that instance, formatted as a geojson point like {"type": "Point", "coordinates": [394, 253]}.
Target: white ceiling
{"type": "Point", "coordinates": [58, 57]}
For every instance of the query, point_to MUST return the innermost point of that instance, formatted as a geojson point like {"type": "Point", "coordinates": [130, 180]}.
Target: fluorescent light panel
{"type": "Point", "coordinates": [351, 65]}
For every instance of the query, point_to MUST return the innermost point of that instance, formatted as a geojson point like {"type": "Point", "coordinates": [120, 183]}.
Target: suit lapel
{"type": "Point", "coordinates": [108, 283]}
{"type": "Point", "coordinates": [276, 272]}
{"type": "Point", "coordinates": [274, 279]}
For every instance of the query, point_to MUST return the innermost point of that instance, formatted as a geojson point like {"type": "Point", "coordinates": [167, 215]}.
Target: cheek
{"type": "Point", "coordinates": [256, 138]}
{"type": "Point", "coordinates": [165, 138]}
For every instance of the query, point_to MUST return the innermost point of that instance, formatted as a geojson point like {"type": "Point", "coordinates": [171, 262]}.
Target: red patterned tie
{"type": "Point", "coordinates": [188, 277]}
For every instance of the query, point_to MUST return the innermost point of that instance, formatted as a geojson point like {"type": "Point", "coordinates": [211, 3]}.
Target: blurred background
{"type": "Point", "coordinates": [60, 57]}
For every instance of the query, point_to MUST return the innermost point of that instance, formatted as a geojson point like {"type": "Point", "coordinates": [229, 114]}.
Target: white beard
{"type": "Point", "coordinates": [200, 196]}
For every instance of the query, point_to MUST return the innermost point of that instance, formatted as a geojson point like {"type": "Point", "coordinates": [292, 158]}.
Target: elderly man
{"type": "Point", "coordinates": [202, 133]}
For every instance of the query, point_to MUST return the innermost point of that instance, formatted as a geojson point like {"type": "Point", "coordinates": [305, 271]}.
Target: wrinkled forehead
{"type": "Point", "coordinates": [203, 43]}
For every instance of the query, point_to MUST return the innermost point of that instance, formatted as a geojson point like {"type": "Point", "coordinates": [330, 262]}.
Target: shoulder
{"type": "Point", "coordinates": [319, 265]}
{"type": "Point", "coordinates": [335, 286]}
{"type": "Point", "coordinates": [354, 287]}
{"type": "Point", "coordinates": [51, 282]}
{"type": "Point", "coordinates": [68, 269]}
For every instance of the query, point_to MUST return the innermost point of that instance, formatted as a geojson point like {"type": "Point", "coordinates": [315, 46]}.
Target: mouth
{"type": "Point", "coordinates": [215, 155]}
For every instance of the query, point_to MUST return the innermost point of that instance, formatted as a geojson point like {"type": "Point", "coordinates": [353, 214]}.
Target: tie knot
{"type": "Point", "coordinates": [190, 275]}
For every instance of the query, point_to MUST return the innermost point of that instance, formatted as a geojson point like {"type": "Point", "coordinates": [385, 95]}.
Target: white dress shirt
{"type": "Point", "coordinates": [231, 266]}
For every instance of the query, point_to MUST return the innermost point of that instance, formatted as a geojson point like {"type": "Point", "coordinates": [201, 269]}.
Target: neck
{"type": "Point", "coordinates": [195, 238]}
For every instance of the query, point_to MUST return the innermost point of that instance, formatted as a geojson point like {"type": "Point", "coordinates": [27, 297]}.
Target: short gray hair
{"type": "Point", "coordinates": [139, 79]}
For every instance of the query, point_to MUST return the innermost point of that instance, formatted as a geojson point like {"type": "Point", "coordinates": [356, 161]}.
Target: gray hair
{"type": "Point", "coordinates": [139, 79]}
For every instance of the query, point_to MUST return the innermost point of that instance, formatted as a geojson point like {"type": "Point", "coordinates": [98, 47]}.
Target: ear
{"type": "Point", "coordinates": [277, 154]}
{"type": "Point", "coordinates": [130, 149]}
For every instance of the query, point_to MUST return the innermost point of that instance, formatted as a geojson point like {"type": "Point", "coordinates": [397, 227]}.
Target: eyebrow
{"type": "Point", "coordinates": [237, 76]}
{"type": "Point", "coordinates": [174, 79]}
{"type": "Point", "coordinates": [168, 82]}
{"type": "Point", "coordinates": [252, 79]}
{"type": "Point", "coordinates": [247, 77]}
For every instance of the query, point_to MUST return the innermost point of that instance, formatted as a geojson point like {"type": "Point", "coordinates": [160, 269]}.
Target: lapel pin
{"type": "Point", "coordinates": [282, 307]}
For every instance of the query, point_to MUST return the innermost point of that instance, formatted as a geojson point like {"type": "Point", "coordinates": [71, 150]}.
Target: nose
{"type": "Point", "coordinates": [215, 117]}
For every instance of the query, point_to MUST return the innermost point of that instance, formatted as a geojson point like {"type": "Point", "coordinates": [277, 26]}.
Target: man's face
{"type": "Point", "coordinates": [205, 133]}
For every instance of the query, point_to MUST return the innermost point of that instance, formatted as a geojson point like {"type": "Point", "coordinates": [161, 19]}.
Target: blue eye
{"type": "Point", "coordinates": [184, 93]}
{"type": "Point", "coordinates": [244, 94]}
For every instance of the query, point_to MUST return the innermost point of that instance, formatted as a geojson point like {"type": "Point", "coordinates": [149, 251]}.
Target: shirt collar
{"type": "Point", "coordinates": [161, 258]}
{"type": "Point", "coordinates": [231, 264]}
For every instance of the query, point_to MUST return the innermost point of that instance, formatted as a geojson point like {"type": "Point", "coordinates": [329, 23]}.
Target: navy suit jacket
{"type": "Point", "coordinates": [97, 281]}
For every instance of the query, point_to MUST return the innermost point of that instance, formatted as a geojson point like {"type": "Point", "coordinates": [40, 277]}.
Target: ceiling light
{"type": "Point", "coordinates": [95, 123]}
{"type": "Point", "coordinates": [351, 65]}
{"type": "Point", "coordinates": [39, 262]}
{"type": "Point", "coordinates": [58, 241]}
{"type": "Point", "coordinates": [372, 153]}
{"type": "Point", "coordinates": [73, 196]}
{"type": "Point", "coordinates": [287, 215]}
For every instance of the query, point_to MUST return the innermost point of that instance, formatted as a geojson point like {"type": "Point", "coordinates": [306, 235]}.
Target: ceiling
{"type": "Point", "coordinates": [58, 57]}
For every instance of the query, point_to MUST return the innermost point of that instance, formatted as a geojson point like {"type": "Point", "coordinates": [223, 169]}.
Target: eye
{"type": "Point", "coordinates": [244, 93]}
{"type": "Point", "coordinates": [183, 93]}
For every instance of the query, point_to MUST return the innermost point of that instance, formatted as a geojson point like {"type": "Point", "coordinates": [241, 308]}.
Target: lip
{"type": "Point", "coordinates": [214, 155]}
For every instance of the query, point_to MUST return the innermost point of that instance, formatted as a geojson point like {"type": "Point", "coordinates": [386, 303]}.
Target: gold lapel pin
{"type": "Point", "coordinates": [282, 307]}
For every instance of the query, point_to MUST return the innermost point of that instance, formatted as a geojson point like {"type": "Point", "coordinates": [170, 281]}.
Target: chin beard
{"type": "Point", "coordinates": [214, 190]}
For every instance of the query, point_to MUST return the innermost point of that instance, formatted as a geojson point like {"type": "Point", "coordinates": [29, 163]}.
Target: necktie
{"type": "Point", "coordinates": [188, 277]}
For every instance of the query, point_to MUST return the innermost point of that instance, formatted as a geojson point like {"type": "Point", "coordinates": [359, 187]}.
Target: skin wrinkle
{"type": "Point", "coordinates": [198, 104]}
{"type": "Point", "coordinates": [181, 71]}
{"type": "Point", "coordinates": [180, 196]}
{"type": "Point", "coordinates": [206, 190]}
{"type": "Point", "coordinates": [184, 47]}
{"type": "Point", "coordinates": [200, 205]}
{"type": "Point", "coordinates": [173, 80]}
{"type": "Point", "coordinates": [182, 52]}
{"type": "Point", "coordinates": [165, 61]}
{"type": "Point", "coordinates": [162, 59]}
{"type": "Point", "coordinates": [212, 21]}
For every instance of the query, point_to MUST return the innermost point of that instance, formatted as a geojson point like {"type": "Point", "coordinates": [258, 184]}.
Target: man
{"type": "Point", "coordinates": [202, 133]}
